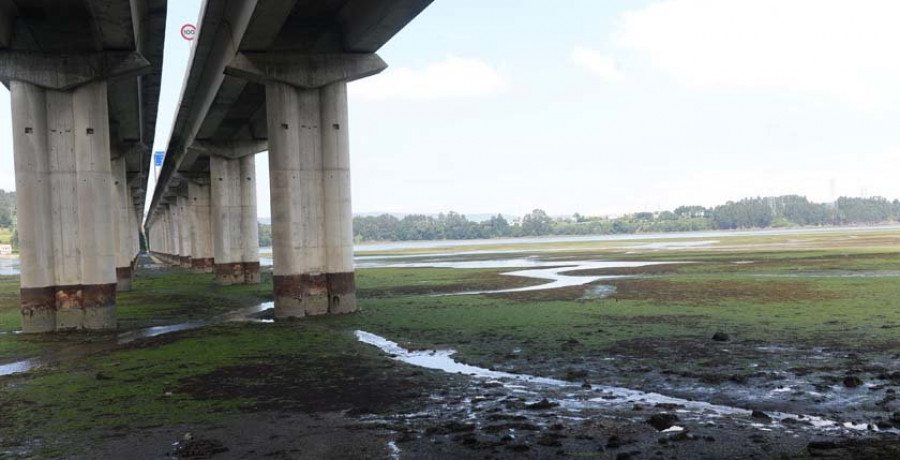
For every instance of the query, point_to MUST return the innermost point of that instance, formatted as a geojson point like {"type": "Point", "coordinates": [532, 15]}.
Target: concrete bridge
{"type": "Point", "coordinates": [264, 75]}
{"type": "Point", "coordinates": [84, 78]}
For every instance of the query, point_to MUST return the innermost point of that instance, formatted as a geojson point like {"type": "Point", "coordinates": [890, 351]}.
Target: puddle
{"type": "Point", "coordinates": [248, 314]}
{"type": "Point", "coordinates": [598, 292]}
{"type": "Point", "coordinates": [599, 396]}
{"type": "Point", "coordinates": [393, 450]}
{"type": "Point", "coordinates": [9, 265]}
{"type": "Point", "coordinates": [674, 245]}
{"type": "Point", "coordinates": [554, 271]}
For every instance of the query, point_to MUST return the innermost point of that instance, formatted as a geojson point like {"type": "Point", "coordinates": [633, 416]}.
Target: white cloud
{"type": "Point", "coordinates": [596, 63]}
{"type": "Point", "coordinates": [454, 77]}
{"type": "Point", "coordinates": [849, 50]}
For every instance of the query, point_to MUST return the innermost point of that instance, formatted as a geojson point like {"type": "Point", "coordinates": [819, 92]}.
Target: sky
{"type": "Point", "coordinates": [609, 107]}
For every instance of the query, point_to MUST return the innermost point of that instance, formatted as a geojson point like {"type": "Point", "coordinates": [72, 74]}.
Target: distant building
{"type": "Point", "coordinates": [5, 249]}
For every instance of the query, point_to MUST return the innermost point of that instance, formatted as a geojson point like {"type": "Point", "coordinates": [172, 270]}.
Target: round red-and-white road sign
{"type": "Point", "coordinates": [188, 31]}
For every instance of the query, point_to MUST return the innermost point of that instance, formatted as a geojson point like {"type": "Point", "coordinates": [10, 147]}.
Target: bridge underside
{"type": "Point", "coordinates": [84, 78]}
{"type": "Point", "coordinates": [283, 88]}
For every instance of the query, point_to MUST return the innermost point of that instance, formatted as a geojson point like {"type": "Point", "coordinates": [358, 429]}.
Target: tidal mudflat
{"type": "Point", "coordinates": [727, 346]}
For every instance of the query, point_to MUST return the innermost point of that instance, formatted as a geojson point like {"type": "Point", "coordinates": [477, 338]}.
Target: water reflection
{"type": "Point", "coordinates": [248, 314]}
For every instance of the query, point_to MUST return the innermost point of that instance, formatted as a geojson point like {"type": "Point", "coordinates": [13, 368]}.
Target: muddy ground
{"type": "Point", "coordinates": [800, 367]}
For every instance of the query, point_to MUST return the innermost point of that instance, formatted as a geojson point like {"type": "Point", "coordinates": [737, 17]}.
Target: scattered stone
{"type": "Point", "coordinates": [498, 417]}
{"type": "Point", "coordinates": [586, 385]}
{"type": "Point", "coordinates": [492, 384]}
{"type": "Point", "coordinates": [669, 406]}
{"type": "Point", "coordinates": [616, 442]}
{"type": "Point", "coordinates": [662, 421]}
{"type": "Point", "coordinates": [550, 440]}
{"type": "Point", "coordinates": [794, 421]}
{"type": "Point", "coordinates": [543, 404]}
{"type": "Point", "coordinates": [852, 381]}
{"type": "Point", "coordinates": [721, 337]}
{"type": "Point", "coordinates": [895, 419]}
{"type": "Point", "coordinates": [520, 426]}
{"type": "Point", "coordinates": [452, 426]}
{"type": "Point", "coordinates": [855, 448]}
{"type": "Point", "coordinates": [574, 375]}
{"type": "Point", "coordinates": [199, 448]}
{"type": "Point", "coordinates": [683, 436]}
{"type": "Point", "coordinates": [102, 376]}
{"type": "Point", "coordinates": [761, 416]}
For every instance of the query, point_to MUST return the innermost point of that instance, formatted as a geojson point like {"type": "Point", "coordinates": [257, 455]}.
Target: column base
{"type": "Point", "coordinates": [251, 272]}
{"type": "Point", "coordinates": [229, 273]}
{"type": "Point", "coordinates": [185, 262]}
{"type": "Point", "coordinates": [123, 278]}
{"type": "Point", "coordinates": [58, 308]}
{"type": "Point", "coordinates": [298, 296]}
{"type": "Point", "coordinates": [204, 265]}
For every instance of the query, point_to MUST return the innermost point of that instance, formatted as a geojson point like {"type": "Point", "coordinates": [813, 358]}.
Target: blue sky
{"type": "Point", "coordinates": [610, 107]}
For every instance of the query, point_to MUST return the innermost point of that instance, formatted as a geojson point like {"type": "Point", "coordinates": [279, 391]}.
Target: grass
{"type": "Point", "coordinates": [6, 235]}
{"type": "Point", "coordinates": [791, 296]}
{"type": "Point", "coordinates": [165, 382]}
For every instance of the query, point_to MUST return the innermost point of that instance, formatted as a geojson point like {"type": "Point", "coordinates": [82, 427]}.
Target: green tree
{"type": "Point", "coordinates": [537, 223]}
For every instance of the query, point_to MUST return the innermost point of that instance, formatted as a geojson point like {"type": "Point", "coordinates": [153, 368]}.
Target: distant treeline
{"type": "Point", "coordinates": [8, 233]}
{"type": "Point", "coordinates": [760, 212]}
{"type": "Point", "coordinates": [7, 209]}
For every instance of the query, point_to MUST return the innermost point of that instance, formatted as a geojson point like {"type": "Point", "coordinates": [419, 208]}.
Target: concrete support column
{"type": "Point", "coordinates": [172, 227]}
{"type": "Point", "coordinates": [309, 176]}
{"type": "Point", "coordinates": [338, 221]}
{"type": "Point", "coordinates": [134, 217]}
{"type": "Point", "coordinates": [184, 232]}
{"type": "Point", "coordinates": [233, 211]}
{"type": "Point", "coordinates": [249, 221]}
{"type": "Point", "coordinates": [66, 207]}
{"type": "Point", "coordinates": [176, 220]}
{"type": "Point", "coordinates": [124, 225]}
{"type": "Point", "coordinates": [201, 233]}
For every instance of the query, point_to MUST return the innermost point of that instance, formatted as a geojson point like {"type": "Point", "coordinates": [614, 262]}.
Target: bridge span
{"type": "Point", "coordinates": [273, 76]}
{"type": "Point", "coordinates": [84, 76]}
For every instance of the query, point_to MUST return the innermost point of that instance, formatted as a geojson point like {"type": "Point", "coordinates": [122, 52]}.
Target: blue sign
{"type": "Point", "coordinates": [158, 158]}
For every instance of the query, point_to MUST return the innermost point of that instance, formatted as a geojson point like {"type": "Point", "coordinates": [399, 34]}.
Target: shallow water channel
{"type": "Point", "coordinates": [575, 397]}
{"type": "Point", "coordinates": [553, 271]}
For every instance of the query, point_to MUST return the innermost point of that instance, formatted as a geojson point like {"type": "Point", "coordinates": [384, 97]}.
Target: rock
{"type": "Point", "coordinates": [102, 376]}
{"type": "Point", "coordinates": [855, 448]}
{"type": "Point", "coordinates": [492, 384]}
{"type": "Point", "coordinates": [543, 404]}
{"type": "Point", "coordinates": [573, 375]}
{"type": "Point", "coordinates": [662, 421]}
{"type": "Point", "coordinates": [616, 442]}
{"type": "Point", "coordinates": [895, 419]}
{"type": "Point", "coordinates": [683, 436]}
{"type": "Point", "coordinates": [200, 448]}
{"type": "Point", "coordinates": [454, 426]}
{"type": "Point", "coordinates": [549, 440]}
{"type": "Point", "coordinates": [852, 381]}
{"type": "Point", "coordinates": [761, 416]}
{"type": "Point", "coordinates": [586, 386]}
{"type": "Point", "coordinates": [669, 406]}
{"type": "Point", "coordinates": [721, 337]}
